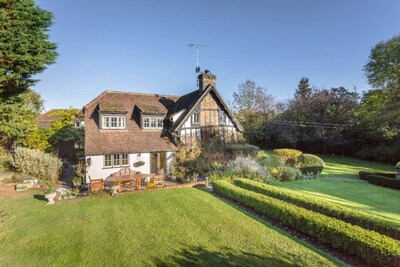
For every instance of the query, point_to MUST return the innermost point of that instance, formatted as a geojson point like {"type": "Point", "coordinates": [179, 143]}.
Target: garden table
{"type": "Point", "coordinates": [123, 179]}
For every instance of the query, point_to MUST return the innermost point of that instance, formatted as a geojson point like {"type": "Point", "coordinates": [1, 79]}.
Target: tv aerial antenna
{"type": "Point", "coordinates": [197, 47]}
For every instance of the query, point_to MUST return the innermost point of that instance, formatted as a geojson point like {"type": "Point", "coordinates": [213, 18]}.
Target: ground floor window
{"type": "Point", "coordinates": [116, 160]}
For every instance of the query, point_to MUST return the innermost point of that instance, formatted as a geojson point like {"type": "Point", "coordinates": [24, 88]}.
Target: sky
{"type": "Point", "coordinates": [142, 46]}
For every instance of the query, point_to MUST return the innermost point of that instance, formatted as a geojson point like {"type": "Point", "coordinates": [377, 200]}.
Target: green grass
{"type": "Point", "coordinates": [339, 183]}
{"type": "Point", "coordinates": [170, 227]}
{"type": "Point", "coordinates": [347, 167]}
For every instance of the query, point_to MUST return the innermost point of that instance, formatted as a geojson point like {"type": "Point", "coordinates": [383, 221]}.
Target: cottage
{"type": "Point", "coordinates": [142, 130]}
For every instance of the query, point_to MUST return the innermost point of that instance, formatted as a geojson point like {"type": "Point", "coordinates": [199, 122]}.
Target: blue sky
{"type": "Point", "coordinates": [141, 46]}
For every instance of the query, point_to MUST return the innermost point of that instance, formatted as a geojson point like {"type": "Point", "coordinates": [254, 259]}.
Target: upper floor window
{"type": "Point", "coordinates": [222, 117]}
{"type": "Point", "coordinates": [196, 118]}
{"type": "Point", "coordinates": [153, 122]}
{"type": "Point", "coordinates": [113, 122]}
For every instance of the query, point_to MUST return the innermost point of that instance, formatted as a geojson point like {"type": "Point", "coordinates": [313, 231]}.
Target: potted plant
{"type": "Point", "coordinates": [398, 170]}
{"type": "Point", "coordinates": [114, 188]}
{"type": "Point", "coordinates": [51, 193]}
{"type": "Point", "coordinates": [77, 181]}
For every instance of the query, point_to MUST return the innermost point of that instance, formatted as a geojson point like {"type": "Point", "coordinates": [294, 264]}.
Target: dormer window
{"type": "Point", "coordinates": [153, 123]}
{"type": "Point", "coordinates": [113, 122]}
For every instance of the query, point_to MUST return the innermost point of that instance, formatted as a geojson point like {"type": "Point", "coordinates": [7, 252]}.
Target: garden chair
{"type": "Point", "coordinates": [158, 179]}
{"type": "Point", "coordinates": [96, 184]}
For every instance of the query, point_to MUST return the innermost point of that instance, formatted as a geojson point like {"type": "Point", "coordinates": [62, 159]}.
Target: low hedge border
{"type": "Point", "coordinates": [370, 246]}
{"type": "Point", "coordinates": [363, 174]}
{"type": "Point", "coordinates": [383, 181]}
{"type": "Point", "coordinates": [360, 218]}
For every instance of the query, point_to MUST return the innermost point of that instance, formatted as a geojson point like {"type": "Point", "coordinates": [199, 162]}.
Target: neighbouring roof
{"type": "Point", "coordinates": [130, 140]}
{"type": "Point", "coordinates": [45, 120]}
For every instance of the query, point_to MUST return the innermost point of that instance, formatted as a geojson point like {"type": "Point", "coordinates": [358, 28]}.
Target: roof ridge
{"type": "Point", "coordinates": [138, 93]}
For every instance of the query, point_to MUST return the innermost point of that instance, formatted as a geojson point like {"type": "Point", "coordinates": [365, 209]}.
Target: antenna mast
{"type": "Point", "coordinates": [197, 46]}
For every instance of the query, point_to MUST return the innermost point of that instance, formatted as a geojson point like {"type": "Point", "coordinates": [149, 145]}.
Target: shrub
{"type": "Point", "coordinates": [287, 173]}
{"type": "Point", "coordinates": [398, 165]}
{"type": "Point", "coordinates": [374, 248]}
{"type": "Point", "coordinates": [383, 181]}
{"type": "Point", "coordinates": [363, 174]}
{"type": "Point", "coordinates": [242, 149]}
{"type": "Point", "coordinates": [311, 164]}
{"type": "Point", "coordinates": [360, 218]}
{"type": "Point", "coordinates": [289, 156]}
{"type": "Point", "coordinates": [37, 164]}
{"type": "Point", "coordinates": [5, 163]}
{"type": "Point", "coordinates": [247, 168]}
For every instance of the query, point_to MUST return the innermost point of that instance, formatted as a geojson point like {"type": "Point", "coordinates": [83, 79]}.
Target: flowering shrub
{"type": "Point", "coordinates": [248, 168]}
{"type": "Point", "coordinates": [37, 164]}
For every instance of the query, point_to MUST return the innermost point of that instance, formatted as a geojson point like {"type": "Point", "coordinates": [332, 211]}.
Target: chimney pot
{"type": "Point", "coordinates": [205, 79]}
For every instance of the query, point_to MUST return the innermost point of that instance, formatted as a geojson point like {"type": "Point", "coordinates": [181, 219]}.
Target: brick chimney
{"type": "Point", "coordinates": [206, 79]}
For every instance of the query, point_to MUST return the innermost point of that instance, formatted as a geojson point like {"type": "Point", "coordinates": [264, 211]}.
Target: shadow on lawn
{"type": "Point", "coordinates": [198, 256]}
{"type": "Point", "coordinates": [39, 197]}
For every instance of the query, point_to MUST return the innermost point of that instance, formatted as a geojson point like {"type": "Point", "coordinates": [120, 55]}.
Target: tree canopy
{"type": "Point", "coordinates": [25, 50]}
{"type": "Point", "coordinates": [383, 67]}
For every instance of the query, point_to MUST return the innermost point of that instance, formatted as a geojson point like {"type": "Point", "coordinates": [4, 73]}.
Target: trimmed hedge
{"type": "Point", "coordinates": [368, 245]}
{"type": "Point", "coordinates": [383, 181]}
{"type": "Point", "coordinates": [360, 218]}
{"type": "Point", "coordinates": [363, 174]}
{"type": "Point", "coordinates": [311, 164]}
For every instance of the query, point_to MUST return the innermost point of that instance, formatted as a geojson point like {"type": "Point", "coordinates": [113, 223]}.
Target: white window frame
{"type": "Point", "coordinates": [196, 118]}
{"type": "Point", "coordinates": [110, 160]}
{"type": "Point", "coordinates": [153, 123]}
{"type": "Point", "coordinates": [113, 122]}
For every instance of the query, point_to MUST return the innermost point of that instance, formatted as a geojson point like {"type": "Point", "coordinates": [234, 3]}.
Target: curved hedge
{"type": "Point", "coordinates": [368, 245]}
{"type": "Point", "coordinates": [363, 174]}
{"type": "Point", "coordinates": [311, 164]}
{"type": "Point", "coordinates": [360, 218]}
{"type": "Point", "coordinates": [383, 181]}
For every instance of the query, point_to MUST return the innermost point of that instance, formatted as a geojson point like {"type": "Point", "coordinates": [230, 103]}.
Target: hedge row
{"type": "Point", "coordinates": [360, 218]}
{"type": "Point", "coordinates": [370, 246]}
{"type": "Point", "coordinates": [363, 174]}
{"type": "Point", "coordinates": [383, 181]}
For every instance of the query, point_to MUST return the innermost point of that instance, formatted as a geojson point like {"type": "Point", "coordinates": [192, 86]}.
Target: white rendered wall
{"type": "Point", "coordinates": [97, 170]}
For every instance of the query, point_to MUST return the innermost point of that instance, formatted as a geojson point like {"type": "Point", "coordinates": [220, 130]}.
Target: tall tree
{"type": "Point", "coordinates": [304, 89]}
{"type": "Point", "coordinates": [254, 108]}
{"type": "Point", "coordinates": [25, 50]}
{"type": "Point", "coordinates": [383, 67]}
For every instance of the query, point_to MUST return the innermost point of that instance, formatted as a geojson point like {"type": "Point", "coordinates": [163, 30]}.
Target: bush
{"type": "Point", "coordinates": [383, 181]}
{"type": "Point", "coordinates": [290, 157]}
{"type": "Point", "coordinates": [363, 174]}
{"type": "Point", "coordinates": [242, 149]}
{"type": "Point", "coordinates": [6, 163]}
{"type": "Point", "coordinates": [398, 165]}
{"type": "Point", "coordinates": [311, 164]}
{"type": "Point", "coordinates": [374, 248]}
{"type": "Point", "coordinates": [380, 152]}
{"type": "Point", "coordinates": [360, 218]}
{"type": "Point", "coordinates": [287, 173]}
{"type": "Point", "coordinates": [37, 164]}
{"type": "Point", "coordinates": [247, 168]}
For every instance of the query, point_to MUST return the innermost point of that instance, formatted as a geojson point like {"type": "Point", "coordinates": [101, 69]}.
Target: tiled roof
{"type": "Point", "coordinates": [133, 138]}
{"type": "Point", "coordinates": [44, 120]}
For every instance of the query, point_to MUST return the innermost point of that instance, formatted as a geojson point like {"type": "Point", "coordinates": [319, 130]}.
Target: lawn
{"type": "Point", "coordinates": [339, 183]}
{"type": "Point", "coordinates": [168, 227]}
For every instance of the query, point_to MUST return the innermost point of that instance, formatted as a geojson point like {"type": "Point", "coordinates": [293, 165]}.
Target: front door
{"type": "Point", "coordinates": [157, 161]}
